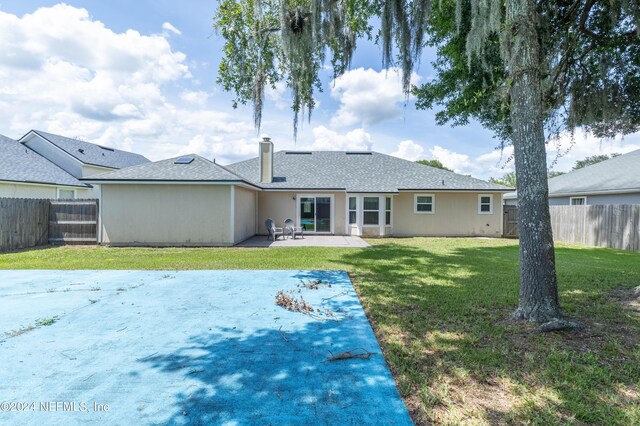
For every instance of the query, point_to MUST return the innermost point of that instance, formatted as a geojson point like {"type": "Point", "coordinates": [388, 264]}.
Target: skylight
{"type": "Point", "coordinates": [183, 160]}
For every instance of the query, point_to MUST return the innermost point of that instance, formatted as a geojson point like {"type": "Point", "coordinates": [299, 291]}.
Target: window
{"type": "Point", "coordinates": [485, 204]}
{"type": "Point", "coordinates": [371, 211]}
{"type": "Point", "coordinates": [425, 204]}
{"type": "Point", "coordinates": [387, 211]}
{"type": "Point", "coordinates": [578, 201]}
{"type": "Point", "coordinates": [352, 210]}
{"type": "Point", "coordinates": [66, 194]}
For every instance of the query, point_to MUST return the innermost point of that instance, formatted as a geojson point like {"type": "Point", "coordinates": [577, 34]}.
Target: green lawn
{"type": "Point", "coordinates": [440, 309]}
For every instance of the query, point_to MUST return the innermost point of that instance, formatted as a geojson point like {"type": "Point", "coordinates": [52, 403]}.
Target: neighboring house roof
{"type": "Point", "coordinates": [198, 170]}
{"type": "Point", "coordinates": [92, 154]}
{"type": "Point", "coordinates": [356, 172]}
{"type": "Point", "coordinates": [616, 175]}
{"type": "Point", "coordinates": [20, 164]}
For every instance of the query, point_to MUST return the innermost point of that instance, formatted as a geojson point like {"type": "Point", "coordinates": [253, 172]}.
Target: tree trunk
{"type": "Point", "coordinates": [538, 286]}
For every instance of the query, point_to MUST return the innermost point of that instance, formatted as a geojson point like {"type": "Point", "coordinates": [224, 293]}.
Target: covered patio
{"type": "Point", "coordinates": [344, 241]}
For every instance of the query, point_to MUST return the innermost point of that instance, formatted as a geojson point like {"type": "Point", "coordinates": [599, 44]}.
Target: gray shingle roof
{"type": "Point", "coordinates": [356, 172]}
{"type": "Point", "coordinates": [18, 163]}
{"type": "Point", "coordinates": [617, 174]}
{"type": "Point", "coordinates": [92, 154]}
{"type": "Point", "coordinates": [199, 170]}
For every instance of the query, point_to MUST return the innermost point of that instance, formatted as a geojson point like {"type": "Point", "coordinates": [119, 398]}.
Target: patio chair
{"type": "Point", "coordinates": [274, 232]}
{"type": "Point", "coordinates": [292, 229]}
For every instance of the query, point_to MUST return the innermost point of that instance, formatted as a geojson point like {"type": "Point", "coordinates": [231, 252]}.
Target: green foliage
{"type": "Point", "coordinates": [267, 41]}
{"type": "Point", "coordinates": [590, 66]}
{"type": "Point", "coordinates": [509, 179]}
{"type": "Point", "coordinates": [590, 62]}
{"type": "Point", "coordinates": [593, 160]}
{"type": "Point", "coordinates": [552, 174]}
{"type": "Point", "coordinates": [47, 321]}
{"type": "Point", "coordinates": [434, 163]}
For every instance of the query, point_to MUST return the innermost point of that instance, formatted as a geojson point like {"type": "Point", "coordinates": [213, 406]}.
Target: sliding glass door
{"type": "Point", "coordinates": [315, 214]}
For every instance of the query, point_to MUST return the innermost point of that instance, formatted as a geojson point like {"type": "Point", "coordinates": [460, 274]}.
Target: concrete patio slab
{"type": "Point", "coordinates": [345, 241]}
{"type": "Point", "coordinates": [188, 347]}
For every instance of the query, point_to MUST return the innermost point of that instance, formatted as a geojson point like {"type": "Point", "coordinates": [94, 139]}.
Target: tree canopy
{"type": "Point", "coordinates": [593, 160]}
{"type": "Point", "coordinates": [590, 58]}
{"type": "Point", "coordinates": [434, 163]}
{"type": "Point", "coordinates": [508, 179]}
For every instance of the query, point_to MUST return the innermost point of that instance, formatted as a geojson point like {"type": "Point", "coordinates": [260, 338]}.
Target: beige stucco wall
{"type": "Point", "coordinates": [94, 170]}
{"type": "Point", "coordinates": [166, 215]}
{"type": "Point", "coordinates": [456, 214]}
{"type": "Point", "coordinates": [10, 190]}
{"type": "Point", "coordinates": [244, 214]}
{"type": "Point", "coordinates": [282, 205]}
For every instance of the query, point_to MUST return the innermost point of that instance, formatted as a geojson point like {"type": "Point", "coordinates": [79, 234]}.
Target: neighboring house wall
{"type": "Point", "coordinates": [282, 205]}
{"type": "Point", "coordinates": [456, 214]}
{"type": "Point", "coordinates": [166, 214]}
{"type": "Point", "coordinates": [9, 190]}
{"type": "Point", "coordinates": [94, 170]}
{"type": "Point", "coordinates": [55, 155]}
{"type": "Point", "coordinates": [19, 190]}
{"type": "Point", "coordinates": [599, 199]}
{"type": "Point", "coordinates": [244, 214]}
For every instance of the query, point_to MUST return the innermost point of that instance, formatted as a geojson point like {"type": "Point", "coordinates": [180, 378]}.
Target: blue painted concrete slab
{"type": "Point", "coordinates": [188, 347]}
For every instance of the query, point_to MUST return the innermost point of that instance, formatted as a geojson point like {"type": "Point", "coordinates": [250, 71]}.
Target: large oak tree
{"type": "Point", "coordinates": [529, 70]}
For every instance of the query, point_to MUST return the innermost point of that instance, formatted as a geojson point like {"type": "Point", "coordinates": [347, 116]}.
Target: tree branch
{"type": "Point", "coordinates": [582, 24]}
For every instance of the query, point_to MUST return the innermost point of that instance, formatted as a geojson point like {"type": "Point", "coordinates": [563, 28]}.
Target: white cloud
{"type": "Point", "coordinates": [496, 163]}
{"type": "Point", "coordinates": [368, 97]}
{"type": "Point", "coordinates": [64, 72]}
{"type": "Point", "coordinates": [330, 140]}
{"type": "Point", "coordinates": [409, 150]}
{"type": "Point", "coordinates": [586, 146]}
{"type": "Point", "coordinates": [492, 164]}
{"type": "Point", "coordinates": [195, 97]}
{"type": "Point", "coordinates": [168, 27]}
{"type": "Point", "coordinates": [277, 95]}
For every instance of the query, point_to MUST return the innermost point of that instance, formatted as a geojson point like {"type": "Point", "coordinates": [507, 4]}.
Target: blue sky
{"type": "Point", "coordinates": [140, 75]}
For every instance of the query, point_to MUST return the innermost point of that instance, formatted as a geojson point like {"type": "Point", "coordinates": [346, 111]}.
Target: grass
{"type": "Point", "coordinates": [440, 309]}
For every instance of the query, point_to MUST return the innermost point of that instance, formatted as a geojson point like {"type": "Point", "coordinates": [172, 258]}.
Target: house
{"type": "Point", "coordinates": [614, 181]}
{"type": "Point", "coordinates": [26, 174]}
{"type": "Point", "coordinates": [77, 158]}
{"type": "Point", "coordinates": [190, 200]}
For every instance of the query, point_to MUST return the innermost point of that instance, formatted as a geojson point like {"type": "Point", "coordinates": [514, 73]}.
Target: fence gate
{"type": "Point", "coordinates": [510, 222]}
{"type": "Point", "coordinates": [73, 222]}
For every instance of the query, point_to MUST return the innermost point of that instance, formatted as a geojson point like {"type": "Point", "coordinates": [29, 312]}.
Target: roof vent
{"type": "Point", "coordinates": [358, 152]}
{"type": "Point", "coordinates": [298, 152]}
{"type": "Point", "coordinates": [106, 148]}
{"type": "Point", "coordinates": [184, 160]}
{"type": "Point", "coordinates": [81, 151]}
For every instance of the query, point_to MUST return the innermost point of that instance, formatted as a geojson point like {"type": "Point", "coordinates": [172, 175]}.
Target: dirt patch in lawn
{"type": "Point", "coordinates": [628, 298]}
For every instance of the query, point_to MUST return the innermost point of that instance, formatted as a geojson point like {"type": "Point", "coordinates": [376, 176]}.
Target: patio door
{"type": "Point", "coordinates": [315, 214]}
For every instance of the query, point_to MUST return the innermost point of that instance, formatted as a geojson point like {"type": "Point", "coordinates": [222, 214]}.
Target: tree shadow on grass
{"type": "Point", "coordinates": [442, 317]}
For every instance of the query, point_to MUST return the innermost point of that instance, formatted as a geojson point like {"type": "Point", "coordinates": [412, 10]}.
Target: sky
{"type": "Point", "coordinates": [141, 76]}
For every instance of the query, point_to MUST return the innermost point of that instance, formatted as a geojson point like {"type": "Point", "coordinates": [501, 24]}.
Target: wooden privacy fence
{"type": "Point", "coordinates": [510, 222]}
{"type": "Point", "coordinates": [23, 223]}
{"type": "Point", "coordinates": [613, 225]}
{"type": "Point", "coordinates": [73, 222]}
{"type": "Point", "coordinates": [28, 223]}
